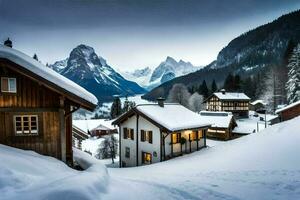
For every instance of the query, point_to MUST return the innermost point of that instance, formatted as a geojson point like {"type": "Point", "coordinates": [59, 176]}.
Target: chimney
{"type": "Point", "coordinates": [8, 43]}
{"type": "Point", "coordinates": [223, 91]}
{"type": "Point", "coordinates": [160, 101]}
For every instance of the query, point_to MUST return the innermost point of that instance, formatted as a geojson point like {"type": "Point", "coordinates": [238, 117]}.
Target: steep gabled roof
{"type": "Point", "coordinates": [232, 96]}
{"type": "Point", "coordinates": [218, 119]}
{"type": "Point", "coordinates": [229, 96]}
{"type": "Point", "coordinates": [287, 107]}
{"type": "Point", "coordinates": [47, 75]}
{"type": "Point", "coordinates": [171, 117]}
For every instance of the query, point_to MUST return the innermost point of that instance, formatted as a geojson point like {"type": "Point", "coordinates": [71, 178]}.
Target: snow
{"type": "Point", "coordinates": [217, 119]}
{"type": "Point", "coordinates": [287, 107]}
{"type": "Point", "coordinates": [91, 145]}
{"type": "Point", "coordinates": [258, 101]}
{"type": "Point", "coordinates": [41, 70]}
{"type": "Point", "coordinates": [172, 116]}
{"type": "Point", "coordinates": [232, 96]}
{"type": "Point", "coordinates": [27, 175]}
{"type": "Point", "coordinates": [257, 166]}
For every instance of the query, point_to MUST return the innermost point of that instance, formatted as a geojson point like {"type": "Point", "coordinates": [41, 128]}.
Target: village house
{"type": "Point", "coordinates": [234, 102]}
{"type": "Point", "coordinates": [96, 127]}
{"type": "Point", "coordinates": [222, 124]}
{"type": "Point", "coordinates": [152, 133]}
{"type": "Point", "coordinates": [78, 136]}
{"type": "Point", "coordinates": [289, 112]}
{"type": "Point", "coordinates": [257, 105]}
{"type": "Point", "coordinates": [36, 105]}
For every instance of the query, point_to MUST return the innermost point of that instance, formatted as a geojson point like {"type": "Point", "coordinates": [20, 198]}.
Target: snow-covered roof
{"type": "Point", "coordinates": [174, 117]}
{"type": "Point", "coordinates": [44, 72]}
{"type": "Point", "coordinates": [258, 101]}
{"type": "Point", "coordinates": [88, 125]}
{"type": "Point", "coordinates": [287, 107]}
{"type": "Point", "coordinates": [217, 119]}
{"type": "Point", "coordinates": [231, 96]}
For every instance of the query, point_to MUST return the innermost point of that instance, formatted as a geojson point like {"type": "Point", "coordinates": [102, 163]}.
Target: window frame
{"type": "Point", "coordinates": [147, 136]}
{"type": "Point", "coordinates": [144, 160]}
{"type": "Point", "coordinates": [178, 136]}
{"type": "Point", "coordinates": [30, 131]}
{"type": "Point", "coordinates": [127, 152]}
{"type": "Point", "coordinates": [9, 91]}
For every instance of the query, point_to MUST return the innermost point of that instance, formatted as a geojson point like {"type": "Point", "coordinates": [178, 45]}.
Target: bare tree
{"type": "Point", "coordinates": [195, 102]}
{"type": "Point", "coordinates": [179, 94]}
{"type": "Point", "coordinates": [108, 148]}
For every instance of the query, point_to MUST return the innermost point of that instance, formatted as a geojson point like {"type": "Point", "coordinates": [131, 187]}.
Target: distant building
{"type": "Point", "coordinates": [222, 124]}
{"type": "Point", "coordinates": [78, 136]}
{"type": "Point", "coordinates": [289, 111]}
{"type": "Point", "coordinates": [236, 103]}
{"type": "Point", "coordinates": [96, 127]}
{"type": "Point", "coordinates": [257, 105]}
{"type": "Point", "coordinates": [153, 133]}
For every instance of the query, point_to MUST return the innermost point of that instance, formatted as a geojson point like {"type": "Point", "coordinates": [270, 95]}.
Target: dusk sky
{"type": "Point", "coordinates": [132, 34]}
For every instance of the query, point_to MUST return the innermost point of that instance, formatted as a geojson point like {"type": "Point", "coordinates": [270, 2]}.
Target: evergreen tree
{"type": "Point", "coordinates": [237, 83]}
{"type": "Point", "coordinates": [229, 83]}
{"type": "Point", "coordinates": [249, 87]}
{"type": "Point", "coordinates": [293, 84]}
{"type": "Point", "coordinates": [214, 86]}
{"type": "Point", "coordinates": [204, 89]}
{"type": "Point", "coordinates": [116, 108]}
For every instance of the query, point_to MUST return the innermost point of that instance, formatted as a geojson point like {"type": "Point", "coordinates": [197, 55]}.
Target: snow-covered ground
{"type": "Point", "coordinates": [262, 165]}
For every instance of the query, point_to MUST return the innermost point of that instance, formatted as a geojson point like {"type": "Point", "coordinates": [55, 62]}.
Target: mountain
{"type": "Point", "coordinates": [167, 70]}
{"type": "Point", "coordinates": [92, 72]}
{"type": "Point", "coordinates": [253, 52]}
{"type": "Point", "coordinates": [140, 76]}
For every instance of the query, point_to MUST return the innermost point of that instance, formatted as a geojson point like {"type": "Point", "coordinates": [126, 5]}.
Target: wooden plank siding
{"type": "Point", "coordinates": [33, 98]}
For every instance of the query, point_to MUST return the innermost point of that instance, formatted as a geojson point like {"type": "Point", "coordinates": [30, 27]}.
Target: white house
{"type": "Point", "coordinates": [151, 133]}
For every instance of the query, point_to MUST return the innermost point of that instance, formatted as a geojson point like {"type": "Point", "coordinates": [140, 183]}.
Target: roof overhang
{"type": "Point", "coordinates": [77, 101]}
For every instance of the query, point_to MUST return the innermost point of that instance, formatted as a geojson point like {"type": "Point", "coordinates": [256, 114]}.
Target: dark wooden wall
{"type": "Point", "coordinates": [32, 98]}
{"type": "Point", "coordinates": [48, 140]}
{"type": "Point", "coordinates": [290, 113]}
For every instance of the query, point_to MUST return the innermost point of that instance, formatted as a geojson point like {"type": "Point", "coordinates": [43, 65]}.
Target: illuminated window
{"type": "Point", "coordinates": [146, 158]}
{"type": "Point", "coordinates": [200, 134]}
{"type": "Point", "coordinates": [176, 138]}
{"type": "Point", "coordinates": [146, 136]}
{"type": "Point", "coordinates": [128, 133]}
{"type": "Point", "coordinates": [8, 85]}
{"type": "Point", "coordinates": [26, 124]}
{"type": "Point", "coordinates": [193, 136]}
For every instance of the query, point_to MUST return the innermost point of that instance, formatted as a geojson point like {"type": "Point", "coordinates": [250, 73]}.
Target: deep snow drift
{"type": "Point", "coordinates": [262, 165]}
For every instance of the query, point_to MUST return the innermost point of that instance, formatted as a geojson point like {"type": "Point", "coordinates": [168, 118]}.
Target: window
{"type": "Point", "coordinates": [200, 134]}
{"type": "Point", "coordinates": [176, 138]}
{"type": "Point", "coordinates": [127, 152]}
{"type": "Point", "coordinates": [146, 158]}
{"type": "Point", "coordinates": [146, 136]}
{"type": "Point", "coordinates": [193, 136]}
{"type": "Point", "coordinates": [8, 85]}
{"type": "Point", "coordinates": [128, 133]}
{"type": "Point", "coordinates": [26, 124]}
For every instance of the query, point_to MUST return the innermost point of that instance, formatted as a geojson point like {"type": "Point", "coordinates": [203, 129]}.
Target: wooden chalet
{"type": "Point", "coordinates": [36, 105]}
{"type": "Point", "coordinates": [222, 124]}
{"type": "Point", "coordinates": [289, 111]}
{"type": "Point", "coordinates": [236, 103]}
